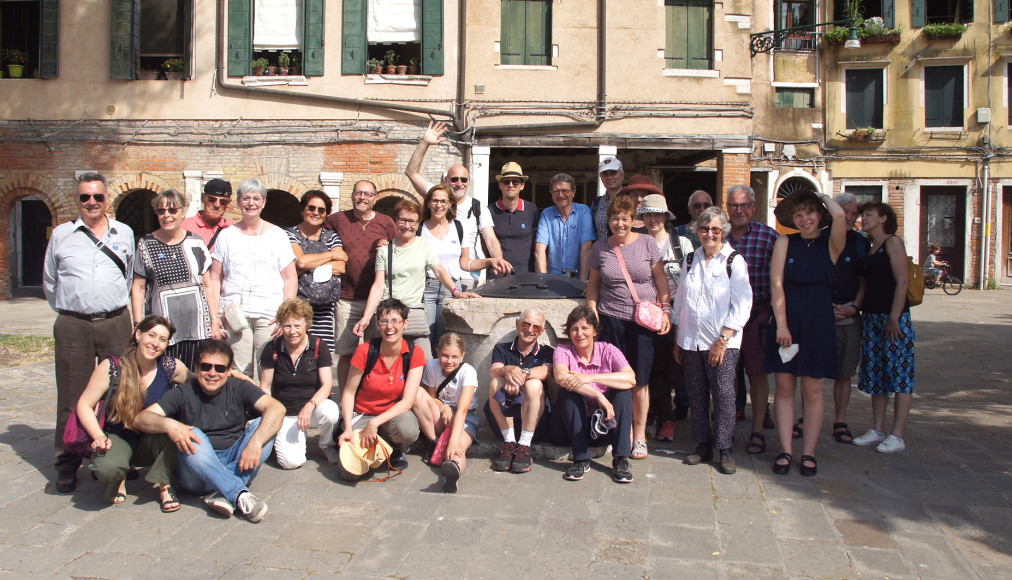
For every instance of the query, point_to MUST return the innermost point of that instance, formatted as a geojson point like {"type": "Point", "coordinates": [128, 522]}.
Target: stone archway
{"type": "Point", "coordinates": [134, 209]}
{"type": "Point", "coordinates": [281, 209]}
{"type": "Point", "coordinates": [126, 184]}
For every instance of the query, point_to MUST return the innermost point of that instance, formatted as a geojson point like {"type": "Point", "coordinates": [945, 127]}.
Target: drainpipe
{"type": "Point", "coordinates": [460, 122]}
{"type": "Point", "coordinates": [222, 85]}
{"type": "Point", "coordinates": [985, 225]}
{"type": "Point", "coordinates": [601, 95]}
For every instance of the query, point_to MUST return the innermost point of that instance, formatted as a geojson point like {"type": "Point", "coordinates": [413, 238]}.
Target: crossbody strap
{"type": "Point", "coordinates": [107, 251]}
{"type": "Point", "coordinates": [447, 380]}
{"type": "Point", "coordinates": [390, 268]}
{"type": "Point", "coordinates": [625, 272]}
{"type": "Point", "coordinates": [210, 244]}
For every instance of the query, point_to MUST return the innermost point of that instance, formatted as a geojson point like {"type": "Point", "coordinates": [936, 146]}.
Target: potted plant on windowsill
{"type": "Point", "coordinates": [283, 61]}
{"type": "Point", "coordinates": [413, 66]}
{"type": "Point", "coordinates": [374, 66]}
{"type": "Point", "coordinates": [173, 68]}
{"type": "Point", "coordinates": [944, 30]}
{"type": "Point", "coordinates": [865, 134]}
{"type": "Point", "coordinates": [259, 65]}
{"type": "Point", "coordinates": [15, 60]}
{"type": "Point", "coordinates": [147, 74]}
{"type": "Point", "coordinates": [871, 31]}
{"type": "Point", "coordinates": [390, 58]}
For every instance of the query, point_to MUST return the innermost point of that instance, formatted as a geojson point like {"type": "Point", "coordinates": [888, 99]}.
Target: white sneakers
{"type": "Point", "coordinates": [890, 444]}
{"type": "Point", "coordinates": [870, 438]}
{"type": "Point", "coordinates": [218, 503]}
{"type": "Point", "coordinates": [251, 507]}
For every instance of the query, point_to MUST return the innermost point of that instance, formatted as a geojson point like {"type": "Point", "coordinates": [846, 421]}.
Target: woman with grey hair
{"type": "Point", "coordinates": [711, 307]}
{"type": "Point", "coordinates": [170, 275]}
{"type": "Point", "coordinates": [252, 273]}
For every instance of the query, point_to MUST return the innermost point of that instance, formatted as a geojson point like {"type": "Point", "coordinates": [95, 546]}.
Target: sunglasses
{"type": "Point", "coordinates": [712, 230]}
{"type": "Point", "coordinates": [217, 198]}
{"type": "Point", "coordinates": [512, 181]}
{"type": "Point", "coordinates": [166, 210]}
{"type": "Point", "coordinates": [98, 197]}
{"type": "Point", "coordinates": [701, 205]}
{"type": "Point", "coordinates": [526, 326]}
{"type": "Point", "coordinates": [220, 369]}
{"type": "Point", "coordinates": [458, 180]}
{"type": "Point", "coordinates": [598, 426]}
{"type": "Point", "coordinates": [316, 209]}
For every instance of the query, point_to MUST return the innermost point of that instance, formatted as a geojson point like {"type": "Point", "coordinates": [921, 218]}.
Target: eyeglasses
{"type": "Point", "coordinates": [98, 197]}
{"type": "Point", "coordinates": [712, 230]}
{"type": "Point", "coordinates": [251, 199]}
{"type": "Point", "coordinates": [527, 326]}
{"type": "Point", "coordinates": [390, 322]}
{"type": "Point", "coordinates": [439, 202]}
{"type": "Point", "coordinates": [316, 209]}
{"type": "Point", "coordinates": [456, 179]}
{"type": "Point", "coordinates": [407, 221]}
{"type": "Point", "coordinates": [704, 205]}
{"type": "Point", "coordinates": [738, 206]}
{"type": "Point", "coordinates": [166, 210]}
{"type": "Point", "coordinates": [220, 369]}
{"type": "Point", "coordinates": [561, 191]}
{"type": "Point", "coordinates": [364, 193]}
{"type": "Point", "coordinates": [511, 182]}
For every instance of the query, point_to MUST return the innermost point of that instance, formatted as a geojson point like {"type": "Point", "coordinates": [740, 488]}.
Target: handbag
{"type": "Point", "coordinates": [317, 292]}
{"type": "Point", "coordinates": [75, 438]}
{"type": "Point", "coordinates": [648, 315]}
{"type": "Point", "coordinates": [235, 319]}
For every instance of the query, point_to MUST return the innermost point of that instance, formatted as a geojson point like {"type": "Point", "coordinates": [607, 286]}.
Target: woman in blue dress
{"type": "Point", "coordinates": [802, 280]}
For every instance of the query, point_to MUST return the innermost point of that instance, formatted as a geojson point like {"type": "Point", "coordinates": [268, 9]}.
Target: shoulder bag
{"type": "Point", "coordinates": [648, 315]}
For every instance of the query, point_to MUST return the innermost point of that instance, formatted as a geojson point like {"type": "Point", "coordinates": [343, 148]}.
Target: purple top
{"type": "Point", "coordinates": [615, 300]}
{"type": "Point", "coordinates": [607, 359]}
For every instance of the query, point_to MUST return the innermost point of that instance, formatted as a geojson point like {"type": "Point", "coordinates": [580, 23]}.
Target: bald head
{"type": "Point", "coordinates": [457, 178]}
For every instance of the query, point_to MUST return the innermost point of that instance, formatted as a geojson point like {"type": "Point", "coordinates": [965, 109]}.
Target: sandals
{"type": "Point", "coordinates": [639, 449]}
{"type": "Point", "coordinates": [171, 504]}
{"type": "Point", "coordinates": [782, 468]}
{"type": "Point", "coordinates": [798, 431]}
{"type": "Point", "coordinates": [114, 492]}
{"type": "Point", "coordinates": [807, 471]}
{"type": "Point", "coordinates": [842, 434]}
{"type": "Point", "coordinates": [753, 447]}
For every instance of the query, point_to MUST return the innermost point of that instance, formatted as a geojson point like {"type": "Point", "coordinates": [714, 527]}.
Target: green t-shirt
{"type": "Point", "coordinates": [410, 263]}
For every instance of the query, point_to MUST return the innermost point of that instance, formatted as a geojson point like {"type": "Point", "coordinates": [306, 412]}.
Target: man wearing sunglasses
{"type": "Point", "coordinates": [516, 220]}
{"type": "Point", "coordinates": [472, 215]}
{"type": "Point", "coordinates": [520, 370]}
{"type": "Point", "coordinates": [209, 221]}
{"type": "Point", "coordinates": [86, 278]}
{"type": "Point", "coordinates": [219, 453]}
{"type": "Point", "coordinates": [698, 201]}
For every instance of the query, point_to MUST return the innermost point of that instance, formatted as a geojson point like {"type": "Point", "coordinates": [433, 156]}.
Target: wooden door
{"type": "Point", "coordinates": [36, 225]}
{"type": "Point", "coordinates": [943, 222]}
{"type": "Point", "coordinates": [1004, 253]}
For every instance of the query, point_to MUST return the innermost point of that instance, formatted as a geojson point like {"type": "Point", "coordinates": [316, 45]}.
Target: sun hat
{"type": "Point", "coordinates": [786, 207]}
{"type": "Point", "coordinates": [640, 183]}
{"type": "Point", "coordinates": [511, 169]}
{"type": "Point", "coordinates": [655, 203]}
{"type": "Point", "coordinates": [609, 164]}
{"type": "Point", "coordinates": [357, 460]}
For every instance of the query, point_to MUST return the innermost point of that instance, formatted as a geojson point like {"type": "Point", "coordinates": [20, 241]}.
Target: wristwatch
{"type": "Point", "coordinates": [725, 338]}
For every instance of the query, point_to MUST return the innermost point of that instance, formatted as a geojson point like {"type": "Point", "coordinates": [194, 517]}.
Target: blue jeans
{"type": "Point", "coordinates": [208, 469]}
{"type": "Point", "coordinates": [432, 299]}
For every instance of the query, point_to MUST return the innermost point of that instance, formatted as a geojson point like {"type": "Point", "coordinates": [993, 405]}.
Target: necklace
{"type": "Point", "coordinates": [366, 222]}
{"type": "Point", "coordinates": [810, 241]}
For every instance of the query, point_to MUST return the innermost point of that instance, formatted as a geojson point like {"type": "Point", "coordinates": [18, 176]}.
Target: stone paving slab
{"type": "Point", "coordinates": [942, 509]}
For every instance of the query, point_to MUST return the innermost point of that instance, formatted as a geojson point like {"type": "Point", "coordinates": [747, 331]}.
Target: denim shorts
{"type": "Point", "coordinates": [470, 422]}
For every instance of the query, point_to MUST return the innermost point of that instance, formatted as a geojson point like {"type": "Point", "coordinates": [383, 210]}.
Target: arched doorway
{"type": "Point", "coordinates": [282, 209]}
{"type": "Point", "coordinates": [789, 186]}
{"type": "Point", "coordinates": [388, 200]}
{"type": "Point", "coordinates": [135, 211]}
{"type": "Point", "coordinates": [36, 224]}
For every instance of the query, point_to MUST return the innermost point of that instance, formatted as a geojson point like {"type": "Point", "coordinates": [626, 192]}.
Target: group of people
{"type": "Point", "coordinates": [246, 318]}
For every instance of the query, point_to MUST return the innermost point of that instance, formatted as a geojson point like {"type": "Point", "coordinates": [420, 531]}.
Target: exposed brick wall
{"type": "Point", "coordinates": [732, 169]}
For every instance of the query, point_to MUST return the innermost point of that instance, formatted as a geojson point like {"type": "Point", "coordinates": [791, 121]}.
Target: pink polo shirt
{"type": "Point", "coordinates": [198, 226]}
{"type": "Point", "coordinates": [607, 359]}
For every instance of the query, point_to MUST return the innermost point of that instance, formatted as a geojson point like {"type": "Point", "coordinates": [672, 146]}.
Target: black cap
{"type": "Point", "coordinates": [218, 187]}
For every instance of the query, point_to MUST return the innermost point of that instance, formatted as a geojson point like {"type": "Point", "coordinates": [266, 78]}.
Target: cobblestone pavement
{"type": "Point", "coordinates": [939, 510]}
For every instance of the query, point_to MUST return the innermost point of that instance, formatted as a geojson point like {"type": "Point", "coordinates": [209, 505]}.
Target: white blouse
{"type": "Point", "coordinates": [708, 301]}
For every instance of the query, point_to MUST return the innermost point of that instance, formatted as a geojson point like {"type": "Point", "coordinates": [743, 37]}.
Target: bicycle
{"type": "Point", "coordinates": [950, 284]}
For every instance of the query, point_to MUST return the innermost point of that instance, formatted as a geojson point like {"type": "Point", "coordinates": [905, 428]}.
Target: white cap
{"type": "Point", "coordinates": [609, 164]}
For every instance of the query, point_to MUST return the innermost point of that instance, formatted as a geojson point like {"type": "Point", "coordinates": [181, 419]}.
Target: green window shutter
{"type": "Point", "coordinates": [432, 37]}
{"type": "Point", "coordinates": [354, 51]}
{"type": "Point", "coordinates": [1000, 11]}
{"type": "Point", "coordinates": [537, 48]}
{"type": "Point", "coordinates": [698, 37]}
{"type": "Point", "coordinates": [943, 96]}
{"type": "Point", "coordinates": [917, 16]}
{"type": "Point", "coordinates": [511, 38]}
{"type": "Point", "coordinates": [889, 13]}
{"type": "Point", "coordinates": [676, 49]}
{"type": "Point", "coordinates": [125, 39]}
{"type": "Point", "coordinates": [187, 16]}
{"type": "Point", "coordinates": [312, 37]}
{"type": "Point", "coordinates": [240, 37]}
{"type": "Point", "coordinates": [49, 61]}
{"type": "Point", "coordinates": [864, 98]}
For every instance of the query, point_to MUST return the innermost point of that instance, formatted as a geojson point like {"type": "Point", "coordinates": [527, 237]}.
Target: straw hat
{"type": "Point", "coordinates": [357, 460]}
{"type": "Point", "coordinates": [655, 203]}
{"type": "Point", "coordinates": [511, 169]}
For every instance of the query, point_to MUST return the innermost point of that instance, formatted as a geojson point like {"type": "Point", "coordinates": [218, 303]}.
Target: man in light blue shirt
{"type": "Point", "coordinates": [565, 232]}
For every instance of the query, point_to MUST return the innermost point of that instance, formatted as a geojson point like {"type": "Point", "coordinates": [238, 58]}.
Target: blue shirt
{"type": "Point", "coordinates": [79, 276]}
{"type": "Point", "coordinates": [564, 238]}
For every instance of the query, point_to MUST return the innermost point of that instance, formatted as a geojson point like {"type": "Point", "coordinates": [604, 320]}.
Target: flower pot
{"type": "Point", "coordinates": [258, 72]}
{"type": "Point", "coordinates": [272, 70]}
{"type": "Point", "coordinates": [16, 70]}
{"type": "Point", "coordinates": [884, 39]}
{"type": "Point", "coordinates": [402, 69]}
{"type": "Point", "coordinates": [412, 69]}
{"type": "Point", "coordinates": [173, 76]}
{"type": "Point", "coordinates": [391, 69]}
{"type": "Point", "coordinates": [283, 70]}
{"type": "Point", "coordinates": [377, 70]}
{"type": "Point", "coordinates": [146, 75]}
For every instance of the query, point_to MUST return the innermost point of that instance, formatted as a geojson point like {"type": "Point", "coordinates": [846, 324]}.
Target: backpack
{"type": "Point", "coordinates": [456, 222]}
{"type": "Point", "coordinates": [374, 354]}
{"type": "Point", "coordinates": [277, 347]}
{"type": "Point", "coordinates": [730, 258]}
{"type": "Point", "coordinates": [915, 280]}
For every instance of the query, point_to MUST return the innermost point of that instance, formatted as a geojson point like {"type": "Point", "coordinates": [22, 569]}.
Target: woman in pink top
{"type": "Point", "coordinates": [595, 396]}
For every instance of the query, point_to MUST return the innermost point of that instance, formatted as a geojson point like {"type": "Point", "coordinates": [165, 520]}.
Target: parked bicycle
{"type": "Point", "coordinates": [950, 284]}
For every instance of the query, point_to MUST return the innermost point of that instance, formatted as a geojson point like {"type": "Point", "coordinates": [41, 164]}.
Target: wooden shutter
{"type": "Point", "coordinates": [698, 37]}
{"type": "Point", "coordinates": [943, 96]}
{"type": "Point", "coordinates": [312, 37]}
{"type": "Point", "coordinates": [1000, 11]}
{"type": "Point", "coordinates": [537, 48]}
{"type": "Point", "coordinates": [125, 39]}
{"type": "Point", "coordinates": [889, 13]}
{"type": "Point", "coordinates": [864, 98]}
{"type": "Point", "coordinates": [917, 15]}
{"type": "Point", "coordinates": [187, 17]}
{"type": "Point", "coordinates": [511, 36]}
{"type": "Point", "coordinates": [432, 37]}
{"type": "Point", "coordinates": [49, 44]}
{"type": "Point", "coordinates": [676, 48]}
{"type": "Point", "coordinates": [354, 51]}
{"type": "Point", "coordinates": [240, 37]}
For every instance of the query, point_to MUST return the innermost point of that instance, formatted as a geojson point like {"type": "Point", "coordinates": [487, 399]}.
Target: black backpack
{"type": "Point", "coordinates": [460, 231]}
{"type": "Point", "coordinates": [374, 354]}
{"type": "Point", "coordinates": [730, 258]}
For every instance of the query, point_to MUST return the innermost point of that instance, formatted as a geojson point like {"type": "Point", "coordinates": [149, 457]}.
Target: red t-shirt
{"type": "Point", "coordinates": [377, 392]}
{"type": "Point", "coordinates": [360, 245]}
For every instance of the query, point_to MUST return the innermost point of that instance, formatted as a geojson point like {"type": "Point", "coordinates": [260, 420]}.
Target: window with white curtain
{"type": "Point", "coordinates": [393, 21]}
{"type": "Point", "coordinates": [277, 24]}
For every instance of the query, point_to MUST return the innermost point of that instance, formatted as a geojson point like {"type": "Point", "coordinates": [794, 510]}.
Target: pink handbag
{"type": "Point", "coordinates": [648, 315]}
